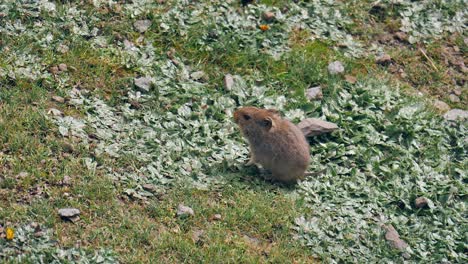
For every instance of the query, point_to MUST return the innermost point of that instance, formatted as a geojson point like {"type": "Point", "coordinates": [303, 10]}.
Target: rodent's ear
{"type": "Point", "coordinates": [268, 122]}
{"type": "Point", "coordinates": [273, 111]}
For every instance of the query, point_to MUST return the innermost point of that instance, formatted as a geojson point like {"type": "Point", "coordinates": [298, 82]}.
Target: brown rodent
{"type": "Point", "coordinates": [275, 143]}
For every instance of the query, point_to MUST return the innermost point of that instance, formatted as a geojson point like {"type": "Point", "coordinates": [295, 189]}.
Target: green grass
{"type": "Point", "coordinates": [257, 222]}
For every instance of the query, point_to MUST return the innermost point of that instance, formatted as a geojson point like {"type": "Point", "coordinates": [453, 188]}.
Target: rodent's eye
{"type": "Point", "coordinates": [246, 117]}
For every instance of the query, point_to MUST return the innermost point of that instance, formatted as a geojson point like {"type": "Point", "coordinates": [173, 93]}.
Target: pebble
{"type": "Point", "coordinates": [421, 202]}
{"type": "Point", "coordinates": [454, 99]}
{"type": "Point", "coordinates": [456, 114]}
{"type": "Point", "coordinates": [441, 106]}
{"type": "Point", "coordinates": [62, 67]}
{"type": "Point", "coordinates": [315, 126]}
{"type": "Point", "coordinates": [143, 84]}
{"type": "Point", "coordinates": [384, 59]}
{"type": "Point", "coordinates": [314, 93]}
{"type": "Point", "coordinates": [71, 214]}
{"type": "Point", "coordinates": [393, 238]}
{"type": "Point", "coordinates": [228, 82]}
{"type": "Point", "coordinates": [268, 16]}
{"type": "Point", "coordinates": [58, 99]}
{"type": "Point", "coordinates": [335, 67]}
{"type": "Point", "coordinates": [183, 210]}
{"type": "Point", "coordinates": [142, 25]}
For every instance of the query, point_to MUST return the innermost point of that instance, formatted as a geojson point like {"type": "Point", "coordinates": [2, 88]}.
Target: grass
{"type": "Point", "coordinates": [258, 219]}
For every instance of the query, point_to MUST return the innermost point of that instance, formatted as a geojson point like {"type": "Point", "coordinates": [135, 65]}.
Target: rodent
{"type": "Point", "coordinates": [275, 143]}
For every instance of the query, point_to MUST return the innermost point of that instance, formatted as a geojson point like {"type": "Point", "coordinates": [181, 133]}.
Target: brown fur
{"type": "Point", "coordinates": [275, 143]}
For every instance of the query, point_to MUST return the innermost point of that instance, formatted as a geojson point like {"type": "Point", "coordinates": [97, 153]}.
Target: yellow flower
{"type": "Point", "coordinates": [10, 233]}
{"type": "Point", "coordinates": [264, 27]}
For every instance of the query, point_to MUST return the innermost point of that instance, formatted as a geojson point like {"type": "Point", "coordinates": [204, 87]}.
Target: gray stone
{"type": "Point", "coordinates": [58, 99]}
{"type": "Point", "coordinates": [421, 202]}
{"type": "Point", "coordinates": [54, 112]}
{"type": "Point", "coordinates": [62, 67]}
{"type": "Point", "coordinates": [62, 48]}
{"type": "Point", "coordinates": [455, 114]}
{"type": "Point", "coordinates": [143, 84]}
{"type": "Point", "coordinates": [71, 214]}
{"type": "Point", "coordinates": [268, 16]}
{"type": "Point", "coordinates": [314, 93]}
{"type": "Point", "coordinates": [228, 82]}
{"type": "Point", "coordinates": [142, 25]}
{"type": "Point", "coordinates": [215, 217]}
{"type": "Point", "coordinates": [66, 180]}
{"type": "Point", "coordinates": [149, 187]}
{"type": "Point", "coordinates": [441, 106]}
{"type": "Point", "coordinates": [385, 59]}
{"type": "Point", "coordinates": [198, 75]}
{"type": "Point", "coordinates": [335, 67]}
{"type": "Point", "coordinates": [315, 126]}
{"type": "Point", "coordinates": [197, 235]}
{"type": "Point", "coordinates": [128, 44]}
{"type": "Point", "coordinates": [454, 99]}
{"type": "Point", "coordinates": [401, 36]}
{"type": "Point", "coordinates": [183, 210]}
{"type": "Point", "coordinates": [393, 238]}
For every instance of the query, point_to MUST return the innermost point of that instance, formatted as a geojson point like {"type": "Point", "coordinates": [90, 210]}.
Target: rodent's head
{"type": "Point", "coordinates": [255, 121]}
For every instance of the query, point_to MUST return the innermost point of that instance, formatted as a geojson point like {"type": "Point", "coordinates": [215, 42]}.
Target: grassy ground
{"type": "Point", "coordinates": [370, 162]}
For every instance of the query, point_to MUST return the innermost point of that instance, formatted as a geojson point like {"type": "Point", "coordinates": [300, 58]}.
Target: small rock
{"type": "Point", "coordinates": [71, 214]}
{"type": "Point", "coordinates": [197, 75]}
{"type": "Point", "coordinates": [62, 67]}
{"type": "Point", "coordinates": [457, 91]}
{"type": "Point", "coordinates": [455, 114]}
{"type": "Point", "coordinates": [197, 234]}
{"type": "Point", "coordinates": [142, 25]}
{"type": "Point", "coordinates": [351, 79]}
{"type": "Point", "coordinates": [456, 49]}
{"type": "Point", "coordinates": [252, 240]}
{"type": "Point", "coordinates": [228, 82]}
{"type": "Point", "coordinates": [406, 255]}
{"type": "Point", "coordinates": [384, 59]}
{"type": "Point", "coordinates": [454, 99]}
{"type": "Point", "coordinates": [58, 99]}
{"type": "Point", "coordinates": [314, 93]}
{"type": "Point", "coordinates": [54, 69]}
{"type": "Point", "coordinates": [314, 127]}
{"type": "Point", "coordinates": [62, 48]}
{"type": "Point", "coordinates": [215, 217]}
{"type": "Point", "coordinates": [149, 187]}
{"type": "Point", "coordinates": [183, 210]}
{"type": "Point", "coordinates": [421, 202]}
{"type": "Point", "coordinates": [385, 38]}
{"type": "Point", "coordinates": [335, 67]}
{"type": "Point", "coordinates": [54, 112]}
{"type": "Point", "coordinates": [66, 180]}
{"type": "Point", "coordinates": [393, 238]}
{"type": "Point", "coordinates": [401, 36]}
{"type": "Point", "coordinates": [441, 106]}
{"type": "Point", "coordinates": [268, 16]}
{"type": "Point", "coordinates": [143, 84]}
{"type": "Point", "coordinates": [22, 174]}
{"type": "Point", "coordinates": [128, 44]}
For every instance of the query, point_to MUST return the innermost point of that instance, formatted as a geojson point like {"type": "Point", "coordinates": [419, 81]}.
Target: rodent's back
{"type": "Point", "coordinates": [284, 151]}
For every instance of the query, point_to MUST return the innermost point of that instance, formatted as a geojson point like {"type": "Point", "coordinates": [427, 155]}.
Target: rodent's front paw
{"type": "Point", "coordinates": [250, 163]}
